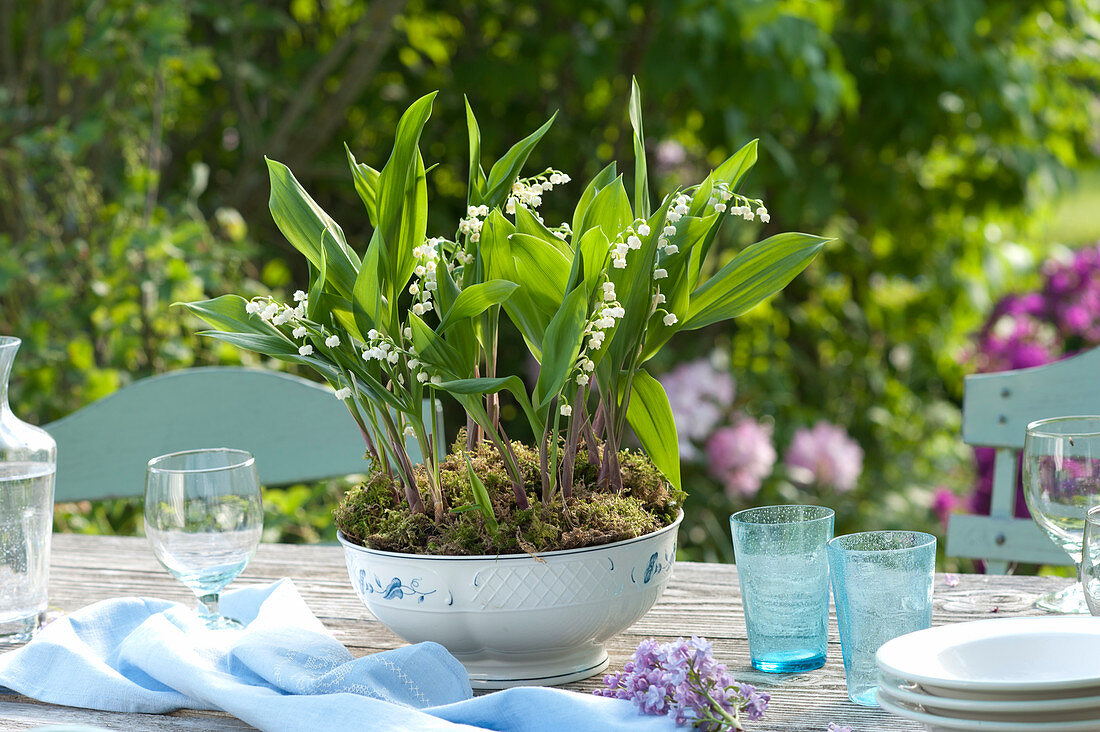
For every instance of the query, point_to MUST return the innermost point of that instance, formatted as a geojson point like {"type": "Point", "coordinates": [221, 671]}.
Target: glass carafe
{"type": "Point", "coordinates": [28, 461]}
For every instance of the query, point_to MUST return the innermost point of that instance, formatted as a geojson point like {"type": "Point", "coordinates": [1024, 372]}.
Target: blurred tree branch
{"type": "Point", "coordinates": [371, 36]}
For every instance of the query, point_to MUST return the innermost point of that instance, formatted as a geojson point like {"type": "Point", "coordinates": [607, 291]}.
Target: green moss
{"type": "Point", "coordinates": [376, 515]}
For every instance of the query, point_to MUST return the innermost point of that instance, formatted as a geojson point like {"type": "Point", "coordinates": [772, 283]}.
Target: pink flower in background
{"type": "Point", "coordinates": [741, 456]}
{"type": "Point", "coordinates": [670, 154]}
{"type": "Point", "coordinates": [699, 395]}
{"type": "Point", "coordinates": [825, 455]}
{"type": "Point", "coordinates": [945, 503]}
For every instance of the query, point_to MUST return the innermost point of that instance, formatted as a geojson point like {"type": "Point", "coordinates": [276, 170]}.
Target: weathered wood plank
{"type": "Point", "coordinates": [702, 599]}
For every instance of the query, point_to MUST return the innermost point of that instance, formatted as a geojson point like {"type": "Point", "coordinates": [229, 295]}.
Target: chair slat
{"type": "Point", "coordinates": [1001, 539]}
{"type": "Point", "coordinates": [996, 411]}
{"type": "Point", "coordinates": [296, 428]}
{"type": "Point", "coordinates": [998, 407]}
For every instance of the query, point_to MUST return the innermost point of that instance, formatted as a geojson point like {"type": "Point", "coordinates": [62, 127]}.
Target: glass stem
{"type": "Point", "coordinates": [208, 605]}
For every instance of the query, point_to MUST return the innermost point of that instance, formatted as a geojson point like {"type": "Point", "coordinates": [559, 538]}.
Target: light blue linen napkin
{"type": "Point", "coordinates": [283, 671]}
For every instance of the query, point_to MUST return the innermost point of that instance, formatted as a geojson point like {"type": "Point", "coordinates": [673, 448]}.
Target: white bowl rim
{"type": "Point", "coordinates": [510, 557]}
{"type": "Point", "coordinates": [979, 629]}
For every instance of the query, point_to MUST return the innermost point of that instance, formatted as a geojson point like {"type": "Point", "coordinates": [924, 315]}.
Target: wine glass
{"type": "Point", "coordinates": [204, 517]}
{"type": "Point", "coordinates": [1061, 482]}
{"type": "Point", "coordinates": [1090, 561]}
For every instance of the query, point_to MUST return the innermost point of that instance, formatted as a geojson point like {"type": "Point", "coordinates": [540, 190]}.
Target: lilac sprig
{"type": "Point", "coordinates": [681, 680]}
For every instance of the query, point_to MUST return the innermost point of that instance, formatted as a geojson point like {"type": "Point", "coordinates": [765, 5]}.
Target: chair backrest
{"type": "Point", "coordinates": [297, 430]}
{"type": "Point", "coordinates": [996, 411]}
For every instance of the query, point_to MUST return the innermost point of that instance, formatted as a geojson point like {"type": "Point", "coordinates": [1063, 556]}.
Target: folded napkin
{"type": "Point", "coordinates": [283, 671]}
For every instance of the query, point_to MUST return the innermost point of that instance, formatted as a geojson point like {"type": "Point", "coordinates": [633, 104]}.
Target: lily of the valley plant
{"type": "Point", "coordinates": [409, 317]}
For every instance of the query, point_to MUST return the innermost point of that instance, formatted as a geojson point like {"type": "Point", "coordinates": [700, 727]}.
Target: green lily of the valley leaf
{"type": "Point", "coordinates": [481, 497]}
{"type": "Point", "coordinates": [610, 210]}
{"type": "Point", "coordinates": [302, 222]}
{"type": "Point", "coordinates": [593, 249]}
{"type": "Point", "coordinates": [678, 285]}
{"type": "Point", "coordinates": [366, 185]}
{"type": "Point", "coordinates": [476, 299]}
{"type": "Point", "coordinates": [641, 175]}
{"type": "Point", "coordinates": [318, 275]}
{"type": "Point", "coordinates": [650, 416]}
{"type": "Point", "coordinates": [433, 350]}
{"type": "Point", "coordinates": [341, 309]}
{"type": "Point", "coordinates": [267, 345]}
{"type": "Point", "coordinates": [561, 347]}
{"type": "Point", "coordinates": [228, 313]}
{"type": "Point", "coordinates": [486, 385]}
{"type": "Point", "coordinates": [735, 166]}
{"type": "Point", "coordinates": [528, 316]}
{"type": "Point", "coordinates": [368, 303]}
{"type": "Point", "coordinates": [476, 191]}
{"type": "Point", "coordinates": [541, 270]}
{"type": "Point", "coordinates": [755, 274]}
{"type": "Point", "coordinates": [403, 199]}
{"type": "Point", "coordinates": [603, 179]}
{"type": "Point", "coordinates": [526, 223]}
{"type": "Point", "coordinates": [634, 288]}
{"type": "Point", "coordinates": [506, 170]}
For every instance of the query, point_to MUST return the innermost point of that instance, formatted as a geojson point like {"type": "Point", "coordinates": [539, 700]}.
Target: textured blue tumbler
{"type": "Point", "coordinates": [784, 576]}
{"type": "Point", "coordinates": [882, 585]}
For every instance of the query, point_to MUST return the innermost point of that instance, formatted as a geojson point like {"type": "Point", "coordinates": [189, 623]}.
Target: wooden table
{"type": "Point", "coordinates": [702, 599]}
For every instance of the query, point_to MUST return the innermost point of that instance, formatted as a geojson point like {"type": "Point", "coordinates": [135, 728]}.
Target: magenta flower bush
{"type": "Point", "coordinates": [825, 455]}
{"type": "Point", "coordinates": [681, 680]}
{"type": "Point", "coordinates": [1031, 329]}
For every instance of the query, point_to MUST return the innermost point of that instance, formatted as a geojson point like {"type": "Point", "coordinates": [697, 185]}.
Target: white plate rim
{"type": "Point", "coordinates": [910, 696]}
{"type": "Point", "coordinates": [970, 631]}
{"type": "Point", "coordinates": [964, 725]}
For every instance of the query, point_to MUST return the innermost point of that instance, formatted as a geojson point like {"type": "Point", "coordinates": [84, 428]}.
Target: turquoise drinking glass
{"type": "Point", "coordinates": [882, 587]}
{"type": "Point", "coordinates": [784, 576]}
{"type": "Point", "coordinates": [204, 518]}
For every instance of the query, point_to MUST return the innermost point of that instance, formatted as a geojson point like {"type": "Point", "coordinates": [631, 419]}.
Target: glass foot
{"type": "Point", "coordinates": [20, 630]}
{"type": "Point", "coordinates": [865, 698]}
{"type": "Point", "coordinates": [220, 622]}
{"type": "Point", "coordinates": [1070, 600]}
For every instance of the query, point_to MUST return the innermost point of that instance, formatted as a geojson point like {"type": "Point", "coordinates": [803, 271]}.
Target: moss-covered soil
{"type": "Point", "coordinates": [373, 515]}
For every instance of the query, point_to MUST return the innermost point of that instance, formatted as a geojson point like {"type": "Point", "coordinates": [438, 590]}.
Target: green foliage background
{"type": "Point", "coordinates": [929, 137]}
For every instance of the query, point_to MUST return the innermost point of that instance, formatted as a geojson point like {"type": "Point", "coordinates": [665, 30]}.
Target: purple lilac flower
{"type": "Point", "coordinates": [681, 680]}
{"type": "Point", "coordinates": [825, 455]}
{"type": "Point", "coordinates": [699, 395]}
{"type": "Point", "coordinates": [741, 456]}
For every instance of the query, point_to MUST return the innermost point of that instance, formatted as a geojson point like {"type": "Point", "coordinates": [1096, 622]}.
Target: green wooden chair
{"type": "Point", "coordinates": [996, 411]}
{"type": "Point", "coordinates": [297, 430]}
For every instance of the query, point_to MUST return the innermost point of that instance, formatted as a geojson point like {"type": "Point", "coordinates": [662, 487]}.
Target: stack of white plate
{"type": "Point", "coordinates": [1004, 675]}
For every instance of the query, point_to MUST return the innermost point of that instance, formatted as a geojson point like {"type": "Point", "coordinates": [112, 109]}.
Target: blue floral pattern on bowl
{"type": "Point", "coordinates": [395, 589]}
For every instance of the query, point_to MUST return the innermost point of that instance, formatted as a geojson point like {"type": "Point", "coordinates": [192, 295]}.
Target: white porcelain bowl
{"type": "Point", "coordinates": [937, 723]}
{"type": "Point", "coordinates": [516, 619]}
